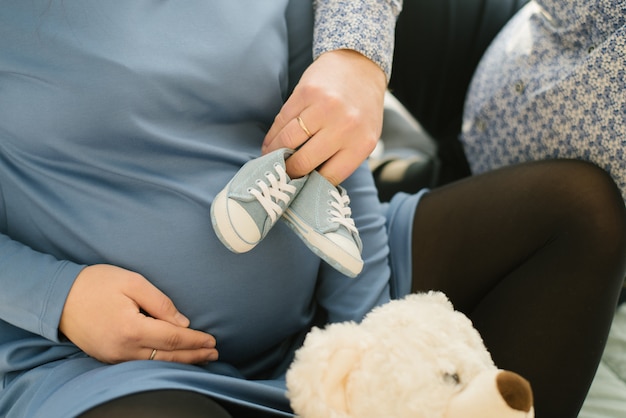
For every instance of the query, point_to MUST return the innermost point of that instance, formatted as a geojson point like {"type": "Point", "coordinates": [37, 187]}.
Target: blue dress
{"type": "Point", "coordinates": [119, 122]}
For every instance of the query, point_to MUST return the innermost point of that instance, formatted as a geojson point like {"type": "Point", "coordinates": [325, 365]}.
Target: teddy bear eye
{"type": "Point", "coordinates": [451, 378]}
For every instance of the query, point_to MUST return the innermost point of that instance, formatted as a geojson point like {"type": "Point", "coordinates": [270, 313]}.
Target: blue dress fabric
{"type": "Point", "coordinates": [552, 85]}
{"type": "Point", "coordinates": [119, 123]}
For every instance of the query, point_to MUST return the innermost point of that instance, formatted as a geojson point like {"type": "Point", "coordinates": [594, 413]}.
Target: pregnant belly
{"type": "Point", "coordinates": [250, 302]}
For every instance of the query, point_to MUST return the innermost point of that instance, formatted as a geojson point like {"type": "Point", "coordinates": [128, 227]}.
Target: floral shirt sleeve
{"type": "Point", "coordinates": [366, 26]}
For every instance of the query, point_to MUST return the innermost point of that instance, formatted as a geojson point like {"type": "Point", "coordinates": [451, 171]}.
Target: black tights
{"type": "Point", "coordinates": [170, 404]}
{"type": "Point", "coordinates": [535, 256]}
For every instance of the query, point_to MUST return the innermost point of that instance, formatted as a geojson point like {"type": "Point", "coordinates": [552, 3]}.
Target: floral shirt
{"type": "Point", "coordinates": [552, 85]}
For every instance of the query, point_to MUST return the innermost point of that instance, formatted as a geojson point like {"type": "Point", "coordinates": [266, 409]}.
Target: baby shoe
{"type": "Point", "coordinates": [320, 215]}
{"type": "Point", "coordinates": [253, 201]}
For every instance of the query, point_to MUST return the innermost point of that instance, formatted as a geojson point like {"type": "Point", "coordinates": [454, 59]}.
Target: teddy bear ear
{"type": "Point", "coordinates": [439, 298]}
{"type": "Point", "coordinates": [318, 379]}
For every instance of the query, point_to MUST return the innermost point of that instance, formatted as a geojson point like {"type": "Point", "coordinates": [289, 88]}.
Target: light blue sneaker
{"type": "Point", "coordinates": [253, 201]}
{"type": "Point", "coordinates": [320, 215]}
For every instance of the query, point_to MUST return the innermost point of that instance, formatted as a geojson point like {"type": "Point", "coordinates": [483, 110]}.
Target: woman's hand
{"type": "Point", "coordinates": [339, 101]}
{"type": "Point", "coordinates": [103, 316]}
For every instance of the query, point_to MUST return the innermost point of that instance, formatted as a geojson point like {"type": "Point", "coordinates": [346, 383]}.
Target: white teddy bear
{"type": "Point", "coordinates": [416, 357]}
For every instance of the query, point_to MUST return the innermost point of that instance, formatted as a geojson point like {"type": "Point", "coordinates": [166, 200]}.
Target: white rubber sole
{"type": "Point", "coordinates": [223, 227]}
{"type": "Point", "coordinates": [329, 251]}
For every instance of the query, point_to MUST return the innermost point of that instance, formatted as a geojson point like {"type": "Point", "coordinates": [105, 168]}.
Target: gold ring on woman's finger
{"type": "Point", "coordinates": [303, 126]}
{"type": "Point", "coordinates": [153, 354]}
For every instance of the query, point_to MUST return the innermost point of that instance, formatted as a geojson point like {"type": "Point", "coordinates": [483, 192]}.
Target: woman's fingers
{"type": "Point", "coordinates": [155, 333]}
{"type": "Point", "coordinates": [180, 356]}
{"type": "Point", "coordinates": [103, 315]}
{"type": "Point", "coordinates": [155, 302]}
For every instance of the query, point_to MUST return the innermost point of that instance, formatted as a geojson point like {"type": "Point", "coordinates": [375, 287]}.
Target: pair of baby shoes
{"type": "Point", "coordinates": [262, 193]}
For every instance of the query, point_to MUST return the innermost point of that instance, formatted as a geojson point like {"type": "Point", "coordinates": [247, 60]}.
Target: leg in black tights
{"type": "Point", "coordinates": [171, 404]}
{"type": "Point", "coordinates": [535, 256]}
{"type": "Point", "coordinates": [159, 404]}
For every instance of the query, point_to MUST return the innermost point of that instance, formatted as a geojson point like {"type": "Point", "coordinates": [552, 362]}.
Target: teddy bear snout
{"type": "Point", "coordinates": [515, 391]}
{"type": "Point", "coordinates": [493, 393]}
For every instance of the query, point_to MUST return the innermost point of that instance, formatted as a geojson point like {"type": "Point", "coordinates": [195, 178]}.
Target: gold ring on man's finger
{"type": "Point", "coordinates": [303, 126]}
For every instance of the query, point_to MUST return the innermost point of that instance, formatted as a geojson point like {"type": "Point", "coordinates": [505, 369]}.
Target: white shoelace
{"type": "Point", "coordinates": [342, 212]}
{"type": "Point", "coordinates": [276, 191]}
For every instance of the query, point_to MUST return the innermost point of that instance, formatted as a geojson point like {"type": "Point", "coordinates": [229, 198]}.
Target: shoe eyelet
{"type": "Point", "coordinates": [249, 190]}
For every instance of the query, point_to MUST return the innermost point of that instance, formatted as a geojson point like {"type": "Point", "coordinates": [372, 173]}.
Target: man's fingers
{"type": "Point", "coordinates": [292, 136]}
{"type": "Point", "coordinates": [280, 121]}
{"type": "Point", "coordinates": [294, 132]}
{"type": "Point", "coordinates": [339, 167]}
{"type": "Point", "coordinates": [294, 106]}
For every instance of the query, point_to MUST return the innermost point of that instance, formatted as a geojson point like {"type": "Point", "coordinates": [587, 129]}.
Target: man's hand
{"type": "Point", "coordinates": [339, 104]}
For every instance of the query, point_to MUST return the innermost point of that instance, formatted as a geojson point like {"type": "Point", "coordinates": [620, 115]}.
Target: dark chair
{"type": "Point", "coordinates": [438, 46]}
